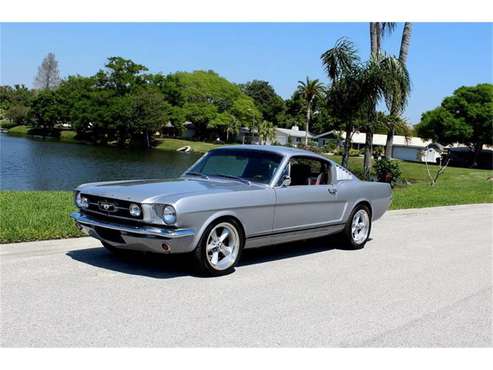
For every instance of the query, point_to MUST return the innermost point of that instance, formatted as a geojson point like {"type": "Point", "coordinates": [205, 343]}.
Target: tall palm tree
{"type": "Point", "coordinates": [342, 65]}
{"type": "Point", "coordinates": [384, 77]}
{"type": "Point", "coordinates": [309, 89]}
{"type": "Point", "coordinates": [400, 101]}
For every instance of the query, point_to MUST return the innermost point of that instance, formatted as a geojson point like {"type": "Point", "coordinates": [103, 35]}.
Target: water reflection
{"type": "Point", "coordinates": [27, 164]}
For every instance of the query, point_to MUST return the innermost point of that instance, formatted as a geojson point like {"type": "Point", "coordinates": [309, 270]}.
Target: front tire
{"type": "Point", "coordinates": [358, 227]}
{"type": "Point", "coordinates": [219, 248]}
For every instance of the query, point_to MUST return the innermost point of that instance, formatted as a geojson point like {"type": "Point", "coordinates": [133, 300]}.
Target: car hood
{"type": "Point", "coordinates": [158, 191]}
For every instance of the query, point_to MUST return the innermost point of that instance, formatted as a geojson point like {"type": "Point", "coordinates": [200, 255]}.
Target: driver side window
{"type": "Point", "coordinates": [305, 171]}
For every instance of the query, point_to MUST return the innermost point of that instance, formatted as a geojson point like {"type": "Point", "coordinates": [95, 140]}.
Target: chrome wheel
{"type": "Point", "coordinates": [223, 245]}
{"type": "Point", "coordinates": [360, 226]}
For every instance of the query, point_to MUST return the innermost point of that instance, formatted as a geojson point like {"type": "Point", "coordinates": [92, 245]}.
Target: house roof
{"type": "Point", "coordinates": [293, 133]}
{"type": "Point", "coordinates": [169, 125]}
{"type": "Point", "coordinates": [381, 139]}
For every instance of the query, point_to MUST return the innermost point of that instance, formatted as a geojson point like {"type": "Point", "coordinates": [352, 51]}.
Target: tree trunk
{"type": "Point", "coordinates": [374, 39]}
{"type": "Point", "coordinates": [406, 39]}
{"type": "Point", "coordinates": [347, 145]}
{"type": "Point", "coordinates": [478, 147]}
{"type": "Point", "coordinates": [389, 143]}
{"type": "Point", "coordinates": [368, 153]}
{"type": "Point", "coordinates": [308, 113]}
{"type": "Point", "coordinates": [147, 141]}
{"type": "Point", "coordinates": [403, 52]}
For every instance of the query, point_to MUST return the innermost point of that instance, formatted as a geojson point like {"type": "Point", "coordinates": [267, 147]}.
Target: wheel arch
{"type": "Point", "coordinates": [366, 203]}
{"type": "Point", "coordinates": [216, 218]}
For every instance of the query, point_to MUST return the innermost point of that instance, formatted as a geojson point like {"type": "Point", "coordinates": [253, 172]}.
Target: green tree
{"type": "Point", "coordinates": [270, 104]}
{"type": "Point", "coordinates": [17, 113]}
{"type": "Point", "coordinates": [266, 132]}
{"type": "Point", "coordinates": [226, 123]}
{"type": "Point", "coordinates": [465, 117]}
{"type": "Point", "coordinates": [309, 90]}
{"type": "Point", "coordinates": [345, 97]}
{"type": "Point", "coordinates": [46, 110]}
{"type": "Point", "coordinates": [149, 114]}
{"type": "Point", "coordinates": [121, 75]}
{"type": "Point", "coordinates": [200, 114]}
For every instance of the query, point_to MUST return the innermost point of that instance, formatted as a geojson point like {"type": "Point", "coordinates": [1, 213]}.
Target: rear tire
{"type": "Point", "coordinates": [358, 227]}
{"type": "Point", "coordinates": [219, 248]}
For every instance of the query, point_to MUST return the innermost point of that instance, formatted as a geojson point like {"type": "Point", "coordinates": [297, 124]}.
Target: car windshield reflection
{"type": "Point", "coordinates": [240, 164]}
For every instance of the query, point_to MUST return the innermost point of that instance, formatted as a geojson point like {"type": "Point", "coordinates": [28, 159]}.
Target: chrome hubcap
{"type": "Point", "coordinates": [360, 226]}
{"type": "Point", "coordinates": [223, 244]}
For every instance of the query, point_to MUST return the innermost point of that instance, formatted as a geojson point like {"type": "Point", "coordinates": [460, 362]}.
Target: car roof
{"type": "Point", "coordinates": [282, 150]}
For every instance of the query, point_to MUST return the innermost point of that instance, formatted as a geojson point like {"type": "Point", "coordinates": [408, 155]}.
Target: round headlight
{"type": "Point", "coordinates": [82, 202]}
{"type": "Point", "coordinates": [134, 210]}
{"type": "Point", "coordinates": [169, 215]}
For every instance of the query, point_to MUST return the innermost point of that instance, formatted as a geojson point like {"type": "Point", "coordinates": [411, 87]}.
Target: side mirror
{"type": "Point", "coordinates": [286, 181]}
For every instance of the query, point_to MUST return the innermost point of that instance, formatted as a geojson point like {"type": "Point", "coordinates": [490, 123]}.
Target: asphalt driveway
{"type": "Point", "coordinates": [425, 279]}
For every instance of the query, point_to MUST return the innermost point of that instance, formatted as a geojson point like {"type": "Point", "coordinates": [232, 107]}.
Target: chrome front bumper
{"type": "Point", "coordinates": [141, 238]}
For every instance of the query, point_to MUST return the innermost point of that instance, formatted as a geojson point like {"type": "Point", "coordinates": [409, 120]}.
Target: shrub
{"type": "Point", "coordinates": [354, 152]}
{"type": "Point", "coordinates": [310, 147]}
{"type": "Point", "coordinates": [387, 171]}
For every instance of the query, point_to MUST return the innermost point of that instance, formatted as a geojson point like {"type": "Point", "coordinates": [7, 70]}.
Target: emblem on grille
{"type": "Point", "coordinates": [106, 206]}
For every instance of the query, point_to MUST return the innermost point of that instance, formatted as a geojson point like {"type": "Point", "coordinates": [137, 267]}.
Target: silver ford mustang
{"type": "Point", "coordinates": [234, 197]}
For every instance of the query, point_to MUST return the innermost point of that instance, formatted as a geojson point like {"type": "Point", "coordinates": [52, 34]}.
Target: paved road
{"type": "Point", "coordinates": [424, 280]}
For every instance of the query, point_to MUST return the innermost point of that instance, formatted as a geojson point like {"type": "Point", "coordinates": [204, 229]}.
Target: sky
{"type": "Point", "coordinates": [442, 56]}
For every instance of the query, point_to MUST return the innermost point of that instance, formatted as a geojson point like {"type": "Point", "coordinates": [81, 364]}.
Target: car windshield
{"type": "Point", "coordinates": [243, 164]}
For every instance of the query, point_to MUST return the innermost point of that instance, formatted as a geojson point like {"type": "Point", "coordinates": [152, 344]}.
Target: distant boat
{"type": "Point", "coordinates": [3, 130]}
{"type": "Point", "coordinates": [184, 149]}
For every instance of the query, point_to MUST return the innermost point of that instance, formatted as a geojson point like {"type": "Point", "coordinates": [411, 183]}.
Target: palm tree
{"type": "Point", "coordinates": [266, 132]}
{"type": "Point", "coordinates": [400, 101]}
{"type": "Point", "coordinates": [377, 31]}
{"type": "Point", "coordinates": [383, 76]}
{"type": "Point", "coordinates": [309, 90]}
{"type": "Point", "coordinates": [356, 89]}
{"type": "Point", "coordinates": [342, 66]}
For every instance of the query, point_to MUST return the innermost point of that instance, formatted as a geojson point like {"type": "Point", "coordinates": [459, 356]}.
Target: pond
{"type": "Point", "coordinates": [28, 164]}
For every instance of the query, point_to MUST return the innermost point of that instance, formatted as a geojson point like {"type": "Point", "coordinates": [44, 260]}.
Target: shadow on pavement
{"type": "Point", "coordinates": [171, 266]}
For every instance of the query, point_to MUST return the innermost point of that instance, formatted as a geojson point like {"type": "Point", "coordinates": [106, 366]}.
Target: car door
{"type": "Point", "coordinates": [307, 203]}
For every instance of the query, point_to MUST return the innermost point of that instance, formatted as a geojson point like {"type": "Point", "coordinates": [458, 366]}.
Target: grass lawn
{"type": "Point", "coordinates": [36, 215]}
{"type": "Point", "coordinates": [455, 186]}
{"type": "Point", "coordinates": [173, 144]}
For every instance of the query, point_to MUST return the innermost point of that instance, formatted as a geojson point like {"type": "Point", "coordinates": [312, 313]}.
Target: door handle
{"type": "Point", "coordinates": [332, 189]}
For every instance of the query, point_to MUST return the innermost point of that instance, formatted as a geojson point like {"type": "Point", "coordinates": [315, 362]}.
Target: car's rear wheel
{"type": "Point", "coordinates": [358, 227]}
{"type": "Point", "coordinates": [220, 248]}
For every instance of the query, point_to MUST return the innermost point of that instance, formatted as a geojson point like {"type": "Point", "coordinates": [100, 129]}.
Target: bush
{"type": "Point", "coordinates": [354, 152]}
{"type": "Point", "coordinates": [329, 148]}
{"type": "Point", "coordinates": [311, 148]}
{"type": "Point", "coordinates": [387, 171]}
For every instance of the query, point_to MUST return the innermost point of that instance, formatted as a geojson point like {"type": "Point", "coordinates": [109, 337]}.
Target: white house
{"type": "Point", "coordinates": [408, 149]}
{"type": "Point", "coordinates": [294, 136]}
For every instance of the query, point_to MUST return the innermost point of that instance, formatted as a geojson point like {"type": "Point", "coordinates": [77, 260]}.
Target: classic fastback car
{"type": "Point", "coordinates": [232, 198]}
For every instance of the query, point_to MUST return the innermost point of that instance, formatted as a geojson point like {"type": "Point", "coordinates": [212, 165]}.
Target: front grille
{"type": "Point", "coordinates": [112, 219]}
{"type": "Point", "coordinates": [116, 208]}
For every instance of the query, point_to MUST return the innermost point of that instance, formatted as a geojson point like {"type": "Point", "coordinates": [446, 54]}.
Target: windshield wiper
{"type": "Point", "coordinates": [193, 173]}
{"type": "Point", "coordinates": [238, 178]}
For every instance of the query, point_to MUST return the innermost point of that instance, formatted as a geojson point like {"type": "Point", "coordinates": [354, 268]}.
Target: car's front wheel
{"type": "Point", "coordinates": [220, 248]}
{"type": "Point", "coordinates": [358, 227]}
